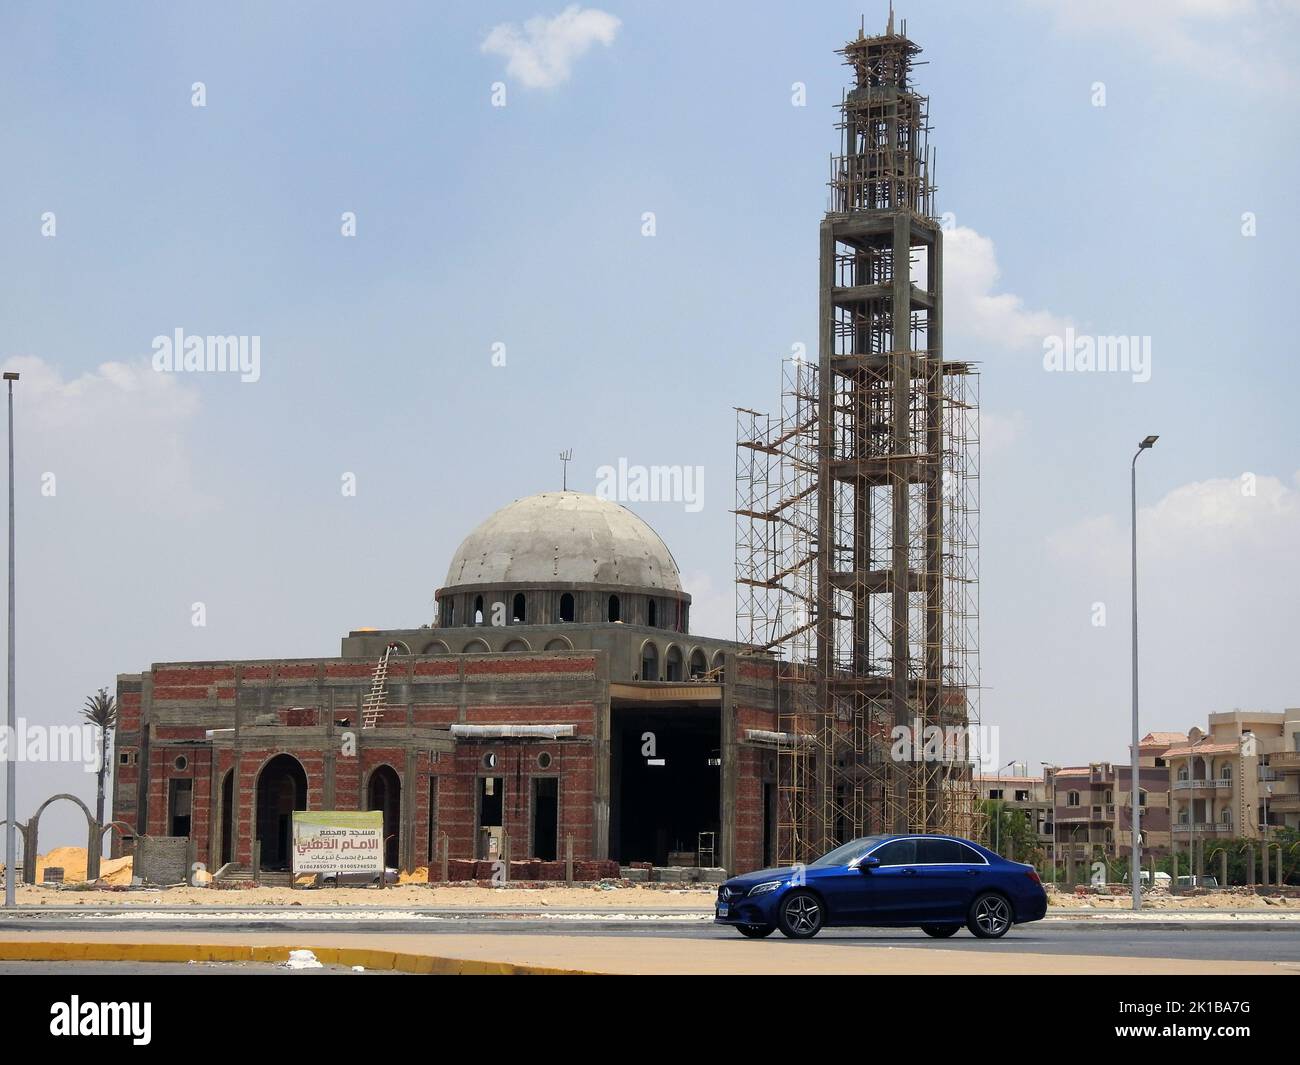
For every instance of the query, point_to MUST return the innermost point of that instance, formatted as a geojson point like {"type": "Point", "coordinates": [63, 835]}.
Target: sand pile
{"type": "Point", "coordinates": [72, 860]}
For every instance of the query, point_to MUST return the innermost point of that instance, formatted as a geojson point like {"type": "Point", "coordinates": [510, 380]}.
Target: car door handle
{"type": "Point", "coordinates": [971, 872]}
{"type": "Point", "coordinates": [910, 872]}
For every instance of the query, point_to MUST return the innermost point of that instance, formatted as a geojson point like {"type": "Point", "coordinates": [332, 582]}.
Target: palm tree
{"type": "Point", "coordinates": [101, 711]}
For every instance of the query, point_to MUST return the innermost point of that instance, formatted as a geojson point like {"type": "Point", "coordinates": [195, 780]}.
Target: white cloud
{"type": "Point", "coordinates": [1230, 40]}
{"type": "Point", "coordinates": [972, 307]}
{"type": "Point", "coordinates": [1213, 523]}
{"type": "Point", "coordinates": [119, 431]}
{"type": "Point", "coordinates": [541, 53]}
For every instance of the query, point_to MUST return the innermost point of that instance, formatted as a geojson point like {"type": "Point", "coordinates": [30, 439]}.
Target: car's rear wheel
{"type": "Point", "coordinates": [940, 931]}
{"type": "Point", "coordinates": [756, 931]}
{"type": "Point", "coordinates": [990, 916]}
{"type": "Point", "coordinates": [801, 915]}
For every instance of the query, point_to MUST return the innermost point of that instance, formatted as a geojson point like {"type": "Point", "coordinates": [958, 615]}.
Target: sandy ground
{"type": "Point", "coordinates": [416, 892]}
{"type": "Point", "coordinates": [1235, 899]}
{"type": "Point", "coordinates": [408, 896]}
{"type": "Point", "coordinates": [650, 954]}
{"type": "Point", "coordinates": [667, 897]}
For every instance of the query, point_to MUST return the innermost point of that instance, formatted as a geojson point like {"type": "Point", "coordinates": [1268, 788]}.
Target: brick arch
{"type": "Point", "coordinates": [257, 799]}
{"type": "Point", "coordinates": [677, 648]}
{"type": "Point", "coordinates": [395, 848]}
{"type": "Point", "coordinates": [650, 645]}
{"type": "Point", "coordinates": [31, 839]}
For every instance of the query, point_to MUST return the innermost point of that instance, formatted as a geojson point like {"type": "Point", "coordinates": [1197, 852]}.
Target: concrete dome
{"type": "Point", "coordinates": [564, 537]}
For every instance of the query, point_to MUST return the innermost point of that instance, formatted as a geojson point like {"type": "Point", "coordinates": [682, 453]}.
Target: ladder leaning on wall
{"type": "Point", "coordinates": [372, 707]}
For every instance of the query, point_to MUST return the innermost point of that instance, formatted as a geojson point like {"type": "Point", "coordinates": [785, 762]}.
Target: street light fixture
{"type": "Point", "coordinates": [1135, 873]}
{"type": "Point", "coordinates": [11, 784]}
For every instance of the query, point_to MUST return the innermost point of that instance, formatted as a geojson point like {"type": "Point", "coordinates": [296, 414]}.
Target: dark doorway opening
{"type": "Point", "coordinates": [281, 789]}
{"type": "Point", "coordinates": [385, 794]}
{"type": "Point", "coordinates": [665, 783]}
{"type": "Point", "coordinates": [179, 803]}
{"type": "Point", "coordinates": [546, 821]}
{"type": "Point", "coordinates": [227, 819]}
{"type": "Point", "coordinates": [491, 790]}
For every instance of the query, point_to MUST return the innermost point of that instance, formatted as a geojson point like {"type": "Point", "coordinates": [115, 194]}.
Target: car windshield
{"type": "Point", "coordinates": [848, 852]}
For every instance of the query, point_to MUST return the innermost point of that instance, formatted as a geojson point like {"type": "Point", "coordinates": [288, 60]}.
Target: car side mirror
{"type": "Point", "coordinates": [867, 864]}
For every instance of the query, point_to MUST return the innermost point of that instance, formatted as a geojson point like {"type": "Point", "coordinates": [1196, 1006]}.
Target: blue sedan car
{"type": "Point", "coordinates": [937, 883]}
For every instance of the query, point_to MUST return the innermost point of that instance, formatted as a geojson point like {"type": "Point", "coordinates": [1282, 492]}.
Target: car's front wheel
{"type": "Point", "coordinates": [940, 931]}
{"type": "Point", "coordinates": [801, 915]}
{"type": "Point", "coordinates": [990, 916]}
{"type": "Point", "coordinates": [756, 931]}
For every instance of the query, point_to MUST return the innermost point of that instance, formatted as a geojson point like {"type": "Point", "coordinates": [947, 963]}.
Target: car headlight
{"type": "Point", "coordinates": [763, 889]}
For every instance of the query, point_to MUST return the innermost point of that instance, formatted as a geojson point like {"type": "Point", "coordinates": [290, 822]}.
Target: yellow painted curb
{"type": "Point", "coordinates": [231, 952]}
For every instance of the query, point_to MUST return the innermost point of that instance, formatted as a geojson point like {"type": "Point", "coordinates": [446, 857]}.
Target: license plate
{"type": "Point", "coordinates": [722, 909]}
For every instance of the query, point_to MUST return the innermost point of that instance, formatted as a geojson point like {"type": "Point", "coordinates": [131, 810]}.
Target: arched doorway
{"type": "Point", "coordinates": [281, 789]}
{"type": "Point", "coordinates": [385, 793]}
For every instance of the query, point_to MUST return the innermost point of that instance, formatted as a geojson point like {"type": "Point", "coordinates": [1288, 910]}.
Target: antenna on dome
{"type": "Point", "coordinates": [566, 457]}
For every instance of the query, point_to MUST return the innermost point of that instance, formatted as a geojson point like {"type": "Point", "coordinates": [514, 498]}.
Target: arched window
{"type": "Point", "coordinates": [699, 664]}
{"type": "Point", "coordinates": [1072, 798]}
{"type": "Point", "coordinates": [1226, 817]}
{"type": "Point", "coordinates": [566, 607]}
{"type": "Point", "coordinates": [1142, 797]}
{"type": "Point", "coordinates": [1226, 772]}
{"type": "Point", "coordinates": [478, 610]}
{"type": "Point", "coordinates": [718, 663]}
{"type": "Point", "coordinates": [517, 611]}
{"type": "Point", "coordinates": [673, 664]}
{"type": "Point", "coordinates": [613, 608]}
{"type": "Point", "coordinates": [652, 613]}
{"type": "Point", "coordinates": [649, 662]}
{"type": "Point", "coordinates": [1182, 771]}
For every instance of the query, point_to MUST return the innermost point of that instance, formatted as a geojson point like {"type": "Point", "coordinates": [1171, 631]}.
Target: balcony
{"type": "Point", "coordinates": [1287, 761]}
{"type": "Point", "coordinates": [1203, 829]}
{"type": "Point", "coordinates": [1202, 785]}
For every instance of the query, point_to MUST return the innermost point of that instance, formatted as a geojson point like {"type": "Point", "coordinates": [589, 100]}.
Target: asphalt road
{"type": "Point", "coordinates": [1259, 943]}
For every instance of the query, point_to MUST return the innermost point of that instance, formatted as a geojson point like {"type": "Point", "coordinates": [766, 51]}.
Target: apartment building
{"type": "Point", "coordinates": [1020, 791]}
{"type": "Point", "coordinates": [1239, 778]}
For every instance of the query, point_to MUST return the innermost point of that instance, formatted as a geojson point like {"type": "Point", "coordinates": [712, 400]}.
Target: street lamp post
{"type": "Point", "coordinates": [1135, 874]}
{"type": "Point", "coordinates": [11, 783]}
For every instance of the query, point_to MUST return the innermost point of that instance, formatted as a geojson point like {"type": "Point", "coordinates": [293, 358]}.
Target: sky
{"type": "Point", "coordinates": [595, 228]}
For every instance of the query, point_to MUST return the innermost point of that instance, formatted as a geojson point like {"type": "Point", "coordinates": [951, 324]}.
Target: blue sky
{"type": "Point", "coordinates": [522, 225]}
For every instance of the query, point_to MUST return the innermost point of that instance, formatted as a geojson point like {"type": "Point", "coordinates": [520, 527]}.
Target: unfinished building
{"type": "Point", "coordinates": [560, 700]}
{"type": "Point", "coordinates": [857, 504]}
